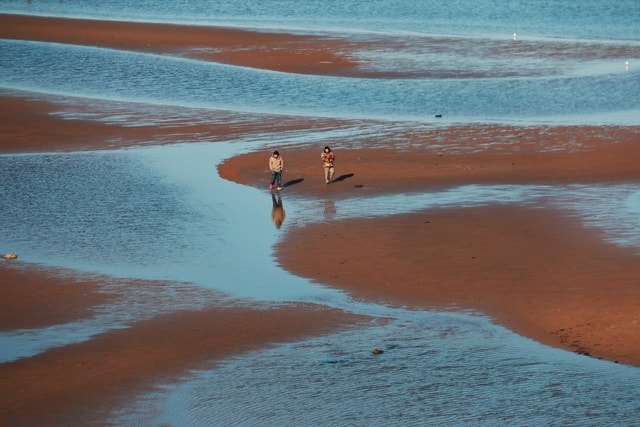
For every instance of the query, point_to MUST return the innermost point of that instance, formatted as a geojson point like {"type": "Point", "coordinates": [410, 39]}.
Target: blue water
{"type": "Point", "coordinates": [162, 212]}
{"type": "Point", "coordinates": [584, 19]}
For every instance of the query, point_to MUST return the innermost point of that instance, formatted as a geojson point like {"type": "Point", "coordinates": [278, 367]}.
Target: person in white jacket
{"type": "Point", "coordinates": [276, 165]}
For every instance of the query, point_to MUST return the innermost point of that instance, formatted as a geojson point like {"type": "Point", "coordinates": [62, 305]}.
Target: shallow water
{"type": "Point", "coordinates": [566, 98]}
{"type": "Point", "coordinates": [162, 213]}
{"type": "Point", "coordinates": [586, 19]}
{"type": "Point", "coordinates": [581, 65]}
{"type": "Point", "coordinates": [435, 369]}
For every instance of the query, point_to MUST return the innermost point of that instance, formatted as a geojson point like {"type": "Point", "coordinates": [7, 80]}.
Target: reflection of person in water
{"type": "Point", "coordinates": [277, 213]}
{"type": "Point", "coordinates": [329, 209]}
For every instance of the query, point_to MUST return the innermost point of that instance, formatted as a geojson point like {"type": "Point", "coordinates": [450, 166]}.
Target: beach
{"type": "Point", "coordinates": [80, 384]}
{"type": "Point", "coordinates": [535, 270]}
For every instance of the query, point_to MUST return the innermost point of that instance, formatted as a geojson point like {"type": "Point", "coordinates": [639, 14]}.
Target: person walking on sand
{"type": "Point", "coordinates": [276, 165]}
{"type": "Point", "coordinates": [328, 158]}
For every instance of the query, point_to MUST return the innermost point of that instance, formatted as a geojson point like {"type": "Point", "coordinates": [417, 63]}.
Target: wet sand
{"type": "Point", "coordinates": [268, 50]}
{"type": "Point", "coordinates": [532, 270]}
{"type": "Point", "coordinates": [540, 272]}
{"type": "Point", "coordinates": [537, 272]}
{"type": "Point", "coordinates": [477, 155]}
{"type": "Point", "coordinates": [79, 384]}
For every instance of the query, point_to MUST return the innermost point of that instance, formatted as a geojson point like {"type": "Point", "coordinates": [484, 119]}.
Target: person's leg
{"type": "Point", "coordinates": [326, 175]}
{"type": "Point", "coordinates": [273, 179]}
{"type": "Point", "coordinates": [279, 175]}
{"type": "Point", "coordinates": [331, 171]}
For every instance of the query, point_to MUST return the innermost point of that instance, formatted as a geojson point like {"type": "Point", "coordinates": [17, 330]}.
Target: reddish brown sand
{"type": "Point", "coordinates": [268, 50]}
{"type": "Point", "coordinates": [538, 272]}
{"type": "Point", "coordinates": [604, 155]}
{"type": "Point", "coordinates": [77, 384]}
{"type": "Point", "coordinates": [44, 298]}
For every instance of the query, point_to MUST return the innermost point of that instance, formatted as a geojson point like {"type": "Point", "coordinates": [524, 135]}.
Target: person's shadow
{"type": "Point", "coordinates": [277, 212]}
{"type": "Point", "coordinates": [293, 182]}
{"type": "Point", "coordinates": [343, 177]}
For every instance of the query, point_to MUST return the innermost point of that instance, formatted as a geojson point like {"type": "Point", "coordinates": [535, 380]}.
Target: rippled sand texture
{"type": "Point", "coordinates": [164, 334]}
